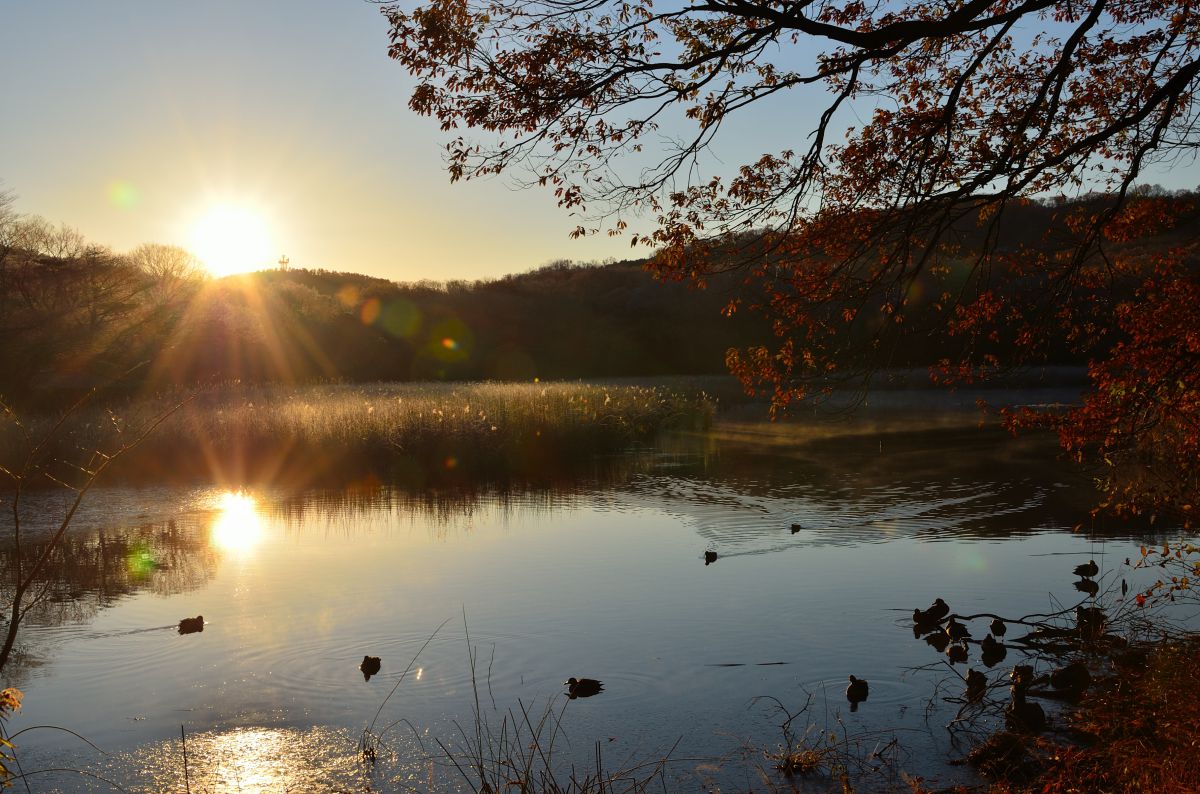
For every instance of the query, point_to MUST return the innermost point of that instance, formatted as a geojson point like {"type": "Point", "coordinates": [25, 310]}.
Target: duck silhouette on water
{"type": "Point", "coordinates": [1020, 714]}
{"type": "Point", "coordinates": [583, 687]}
{"type": "Point", "coordinates": [1088, 569]}
{"type": "Point", "coordinates": [191, 625]}
{"type": "Point", "coordinates": [370, 666]}
{"type": "Point", "coordinates": [856, 692]}
{"type": "Point", "coordinates": [997, 627]}
{"type": "Point", "coordinates": [957, 631]}
{"type": "Point", "coordinates": [710, 557]}
{"type": "Point", "coordinates": [936, 612]}
{"type": "Point", "coordinates": [1072, 680]}
{"type": "Point", "coordinates": [976, 685]}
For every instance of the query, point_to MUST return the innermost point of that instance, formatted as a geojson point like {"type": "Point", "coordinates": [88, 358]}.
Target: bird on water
{"type": "Point", "coordinates": [583, 687]}
{"type": "Point", "coordinates": [857, 692]}
{"type": "Point", "coordinates": [191, 625]}
{"type": "Point", "coordinates": [370, 666]}
{"type": "Point", "coordinates": [937, 610]}
{"type": "Point", "coordinates": [1087, 570]}
{"type": "Point", "coordinates": [957, 631]}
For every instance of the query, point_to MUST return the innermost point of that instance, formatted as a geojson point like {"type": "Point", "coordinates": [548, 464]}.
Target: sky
{"type": "Point", "coordinates": [131, 120]}
{"type": "Point", "coordinates": [134, 121]}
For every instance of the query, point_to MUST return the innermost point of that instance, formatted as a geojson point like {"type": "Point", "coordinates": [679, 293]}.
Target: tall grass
{"type": "Point", "coordinates": [433, 432]}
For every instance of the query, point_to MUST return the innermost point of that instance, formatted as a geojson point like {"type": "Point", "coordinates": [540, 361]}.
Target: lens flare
{"type": "Point", "coordinates": [122, 194]}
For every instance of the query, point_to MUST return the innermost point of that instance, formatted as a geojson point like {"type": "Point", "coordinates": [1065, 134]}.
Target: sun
{"type": "Point", "coordinates": [231, 238]}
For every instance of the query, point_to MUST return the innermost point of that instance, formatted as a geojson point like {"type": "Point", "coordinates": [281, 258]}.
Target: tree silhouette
{"type": "Point", "coordinates": [914, 224]}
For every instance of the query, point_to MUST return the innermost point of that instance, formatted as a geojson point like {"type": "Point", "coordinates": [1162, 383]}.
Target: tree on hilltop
{"type": "Point", "coordinates": [912, 224]}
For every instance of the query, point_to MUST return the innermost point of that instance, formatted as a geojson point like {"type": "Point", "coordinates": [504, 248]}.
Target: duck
{"type": "Point", "coordinates": [370, 666]}
{"type": "Point", "coordinates": [1089, 586]}
{"type": "Point", "coordinates": [957, 653]}
{"type": "Point", "coordinates": [998, 627]}
{"type": "Point", "coordinates": [582, 687]}
{"type": "Point", "coordinates": [957, 631]}
{"type": "Point", "coordinates": [1072, 678]}
{"type": "Point", "coordinates": [1021, 715]}
{"type": "Point", "coordinates": [796, 528]}
{"type": "Point", "coordinates": [989, 644]}
{"type": "Point", "coordinates": [1022, 675]}
{"type": "Point", "coordinates": [191, 625]}
{"type": "Point", "coordinates": [710, 557]}
{"type": "Point", "coordinates": [1090, 620]}
{"type": "Point", "coordinates": [857, 690]}
{"type": "Point", "coordinates": [937, 610]}
{"type": "Point", "coordinates": [1087, 570]}
{"type": "Point", "coordinates": [976, 685]}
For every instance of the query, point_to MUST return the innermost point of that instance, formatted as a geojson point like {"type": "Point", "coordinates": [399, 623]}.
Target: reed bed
{"type": "Point", "coordinates": [425, 431]}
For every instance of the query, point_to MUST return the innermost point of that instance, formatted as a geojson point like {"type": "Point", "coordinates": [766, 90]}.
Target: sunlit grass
{"type": "Point", "coordinates": [426, 431]}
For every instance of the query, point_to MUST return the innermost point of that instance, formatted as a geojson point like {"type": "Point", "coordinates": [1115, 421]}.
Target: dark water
{"type": "Point", "coordinates": [606, 580]}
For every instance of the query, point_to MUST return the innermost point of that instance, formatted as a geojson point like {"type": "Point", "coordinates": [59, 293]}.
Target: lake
{"type": "Point", "coordinates": [826, 536]}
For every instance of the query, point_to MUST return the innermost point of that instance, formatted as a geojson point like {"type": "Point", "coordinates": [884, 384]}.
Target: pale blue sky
{"type": "Point", "coordinates": [130, 119]}
{"type": "Point", "coordinates": [291, 106]}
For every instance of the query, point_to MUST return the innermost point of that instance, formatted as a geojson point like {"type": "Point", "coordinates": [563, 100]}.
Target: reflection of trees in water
{"type": "Point", "coordinates": [358, 506]}
{"type": "Point", "coordinates": [88, 572]}
{"type": "Point", "coordinates": [875, 478]}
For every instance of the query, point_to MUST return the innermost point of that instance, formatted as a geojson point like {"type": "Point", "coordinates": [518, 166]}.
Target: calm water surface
{"type": "Point", "coordinates": [605, 580]}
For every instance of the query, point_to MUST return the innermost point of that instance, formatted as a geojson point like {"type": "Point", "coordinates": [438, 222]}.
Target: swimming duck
{"type": "Point", "coordinates": [989, 644]}
{"type": "Point", "coordinates": [796, 528]}
{"type": "Point", "coordinates": [937, 610]}
{"type": "Point", "coordinates": [976, 685]}
{"type": "Point", "coordinates": [957, 631]}
{"type": "Point", "coordinates": [998, 628]}
{"type": "Point", "coordinates": [370, 666]}
{"type": "Point", "coordinates": [710, 557]}
{"type": "Point", "coordinates": [957, 653]}
{"type": "Point", "coordinates": [583, 687]}
{"type": "Point", "coordinates": [191, 625]}
{"type": "Point", "coordinates": [1089, 569]}
{"type": "Point", "coordinates": [857, 691]}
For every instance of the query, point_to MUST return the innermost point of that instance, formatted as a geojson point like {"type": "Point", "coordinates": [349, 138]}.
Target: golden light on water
{"type": "Point", "coordinates": [232, 238]}
{"type": "Point", "coordinates": [255, 760]}
{"type": "Point", "coordinates": [237, 528]}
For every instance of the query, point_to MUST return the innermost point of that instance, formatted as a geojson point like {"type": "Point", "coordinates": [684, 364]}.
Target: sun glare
{"type": "Point", "coordinates": [237, 527]}
{"type": "Point", "coordinates": [232, 239]}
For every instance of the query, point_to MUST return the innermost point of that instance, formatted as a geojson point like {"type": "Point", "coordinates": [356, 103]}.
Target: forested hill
{"type": "Point", "coordinates": [68, 323]}
{"type": "Point", "coordinates": [75, 315]}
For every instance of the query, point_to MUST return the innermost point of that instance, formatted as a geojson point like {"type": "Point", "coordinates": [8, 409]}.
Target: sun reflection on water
{"type": "Point", "coordinates": [237, 528]}
{"type": "Point", "coordinates": [251, 760]}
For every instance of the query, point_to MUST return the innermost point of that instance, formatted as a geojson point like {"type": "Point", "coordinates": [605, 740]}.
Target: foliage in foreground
{"type": "Point", "coordinates": [859, 234]}
{"type": "Point", "coordinates": [1139, 731]}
